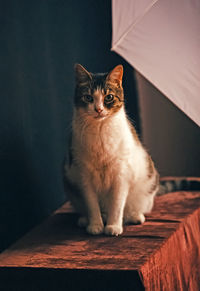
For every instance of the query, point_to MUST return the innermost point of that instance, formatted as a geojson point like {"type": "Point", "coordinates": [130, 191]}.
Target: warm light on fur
{"type": "Point", "coordinates": [111, 179]}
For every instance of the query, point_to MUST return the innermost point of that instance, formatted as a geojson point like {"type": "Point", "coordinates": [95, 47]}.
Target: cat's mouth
{"type": "Point", "coordinates": [100, 116]}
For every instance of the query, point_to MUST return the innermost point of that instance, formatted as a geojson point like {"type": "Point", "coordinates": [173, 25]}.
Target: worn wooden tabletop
{"type": "Point", "coordinates": [58, 245]}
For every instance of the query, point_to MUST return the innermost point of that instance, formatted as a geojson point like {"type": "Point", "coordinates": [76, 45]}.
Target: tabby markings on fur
{"type": "Point", "coordinates": [110, 179]}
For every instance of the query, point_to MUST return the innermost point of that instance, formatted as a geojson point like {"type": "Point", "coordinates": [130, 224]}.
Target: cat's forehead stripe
{"type": "Point", "coordinates": [98, 81]}
{"type": "Point", "coordinates": [98, 95]}
{"type": "Point", "coordinates": [98, 91]}
{"type": "Point", "coordinates": [101, 91]}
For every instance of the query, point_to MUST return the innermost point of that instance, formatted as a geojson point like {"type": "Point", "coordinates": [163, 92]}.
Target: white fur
{"type": "Point", "coordinates": [110, 166]}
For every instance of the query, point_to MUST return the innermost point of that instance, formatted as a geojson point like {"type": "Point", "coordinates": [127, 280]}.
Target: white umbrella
{"type": "Point", "coordinates": [161, 40]}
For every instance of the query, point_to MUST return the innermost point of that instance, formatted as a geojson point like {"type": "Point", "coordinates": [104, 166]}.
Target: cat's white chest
{"type": "Point", "coordinates": [111, 178]}
{"type": "Point", "coordinates": [100, 143]}
{"type": "Point", "coordinates": [104, 150]}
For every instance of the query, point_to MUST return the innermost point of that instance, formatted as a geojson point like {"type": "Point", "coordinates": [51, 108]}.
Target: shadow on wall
{"type": "Point", "coordinates": [40, 42]}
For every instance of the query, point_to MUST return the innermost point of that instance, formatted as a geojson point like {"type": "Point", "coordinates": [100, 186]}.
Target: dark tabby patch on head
{"type": "Point", "coordinates": [117, 92]}
{"type": "Point", "coordinates": [109, 84]}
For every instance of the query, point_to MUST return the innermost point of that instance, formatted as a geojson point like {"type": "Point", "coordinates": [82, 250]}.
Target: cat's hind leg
{"type": "Point", "coordinates": [134, 218]}
{"type": "Point", "coordinates": [138, 203]}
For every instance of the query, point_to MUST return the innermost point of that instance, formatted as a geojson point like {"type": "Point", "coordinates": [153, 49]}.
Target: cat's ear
{"type": "Point", "coordinates": [82, 75]}
{"type": "Point", "coordinates": [115, 76]}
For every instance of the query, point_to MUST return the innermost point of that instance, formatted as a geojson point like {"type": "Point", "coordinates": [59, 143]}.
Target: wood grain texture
{"type": "Point", "coordinates": [58, 253]}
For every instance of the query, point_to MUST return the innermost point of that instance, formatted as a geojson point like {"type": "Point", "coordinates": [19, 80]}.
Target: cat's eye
{"type": "Point", "coordinates": [109, 98]}
{"type": "Point", "coordinates": [87, 98]}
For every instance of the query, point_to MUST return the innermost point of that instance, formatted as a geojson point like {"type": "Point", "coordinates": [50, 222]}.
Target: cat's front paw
{"type": "Point", "coordinates": [95, 228]}
{"type": "Point", "coordinates": [114, 230]}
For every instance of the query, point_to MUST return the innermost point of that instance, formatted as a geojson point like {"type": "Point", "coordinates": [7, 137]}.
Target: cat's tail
{"type": "Point", "coordinates": [173, 184]}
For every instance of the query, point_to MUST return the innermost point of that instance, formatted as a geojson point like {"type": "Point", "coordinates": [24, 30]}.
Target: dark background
{"type": "Point", "coordinates": [39, 43]}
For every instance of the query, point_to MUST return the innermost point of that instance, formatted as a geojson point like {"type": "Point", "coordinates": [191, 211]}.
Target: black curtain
{"type": "Point", "coordinates": [39, 43]}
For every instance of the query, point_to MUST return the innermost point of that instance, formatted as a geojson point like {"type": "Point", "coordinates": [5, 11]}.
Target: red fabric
{"type": "Point", "coordinates": [176, 264]}
{"type": "Point", "coordinates": [162, 254]}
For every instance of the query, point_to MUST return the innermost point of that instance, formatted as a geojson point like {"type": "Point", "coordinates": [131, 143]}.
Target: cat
{"type": "Point", "coordinates": [110, 179]}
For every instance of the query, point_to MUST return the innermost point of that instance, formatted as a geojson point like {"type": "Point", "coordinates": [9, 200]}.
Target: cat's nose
{"type": "Point", "coordinates": [98, 109]}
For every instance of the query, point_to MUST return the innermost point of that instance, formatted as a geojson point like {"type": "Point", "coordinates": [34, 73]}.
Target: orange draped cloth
{"type": "Point", "coordinates": [162, 254]}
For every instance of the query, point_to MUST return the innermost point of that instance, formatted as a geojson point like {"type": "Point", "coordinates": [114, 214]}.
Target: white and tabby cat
{"type": "Point", "coordinates": [111, 179]}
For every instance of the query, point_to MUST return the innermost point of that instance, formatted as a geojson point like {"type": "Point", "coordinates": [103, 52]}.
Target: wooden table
{"type": "Point", "coordinates": [161, 254]}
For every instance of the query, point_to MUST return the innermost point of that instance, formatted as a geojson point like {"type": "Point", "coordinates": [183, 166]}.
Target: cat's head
{"type": "Point", "coordinates": [98, 95]}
